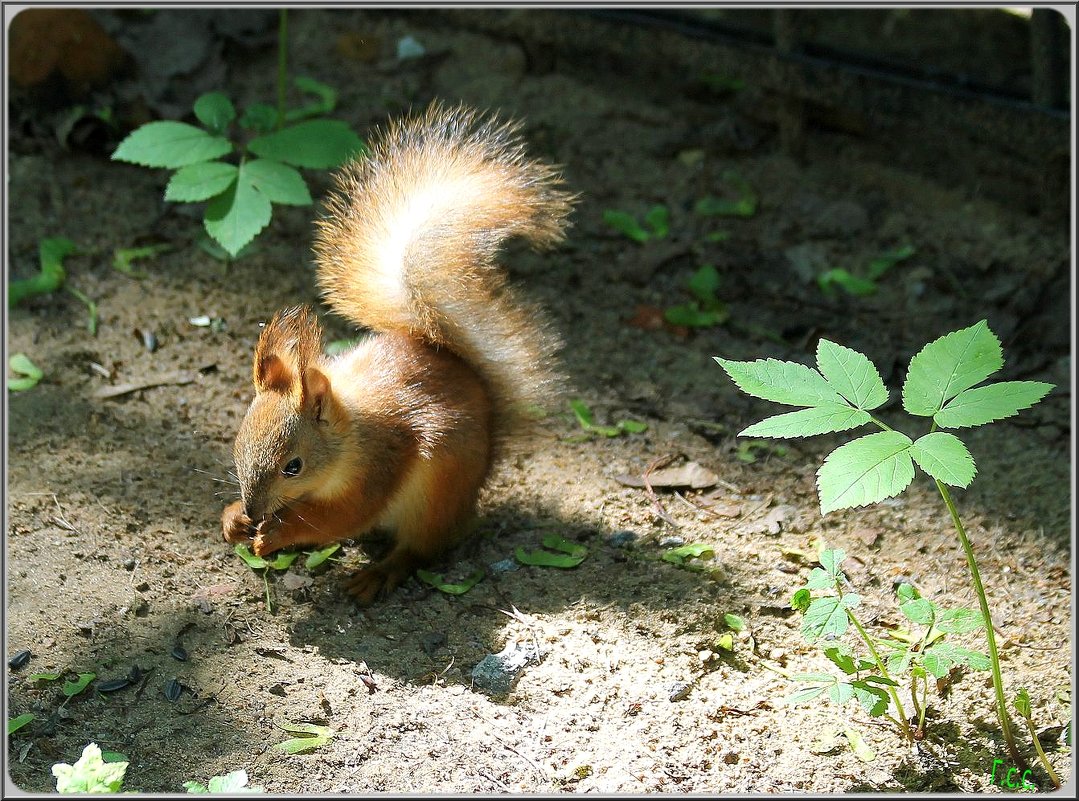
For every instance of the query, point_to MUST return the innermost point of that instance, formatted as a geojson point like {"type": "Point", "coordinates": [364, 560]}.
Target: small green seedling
{"type": "Point", "coordinates": [314, 737]}
{"type": "Point", "coordinates": [1022, 707]}
{"type": "Point", "coordinates": [234, 782]}
{"type": "Point", "coordinates": [438, 583]}
{"type": "Point", "coordinates": [682, 554]}
{"type": "Point", "coordinates": [944, 383]}
{"type": "Point", "coordinates": [316, 558]}
{"type": "Point", "coordinates": [239, 196]}
{"type": "Point", "coordinates": [122, 258]}
{"type": "Point", "coordinates": [900, 658]}
{"type": "Point", "coordinates": [283, 561]}
{"type": "Point", "coordinates": [744, 205]}
{"type": "Point", "coordinates": [51, 278]}
{"type": "Point", "coordinates": [705, 309]}
{"type": "Point", "coordinates": [748, 449]}
{"type": "Point", "coordinates": [657, 219]}
{"type": "Point", "coordinates": [570, 554]}
{"type": "Point", "coordinates": [90, 774]}
{"type": "Point", "coordinates": [29, 373]}
{"type": "Point", "coordinates": [865, 283]}
{"type": "Point", "coordinates": [587, 421]}
{"type": "Point", "coordinates": [14, 724]}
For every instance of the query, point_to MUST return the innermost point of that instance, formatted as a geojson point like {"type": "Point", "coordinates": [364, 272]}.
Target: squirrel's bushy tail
{"type": "Point", "coordinates": [411, 240]}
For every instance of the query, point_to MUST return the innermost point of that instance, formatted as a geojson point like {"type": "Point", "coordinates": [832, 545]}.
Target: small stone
{"type": "Point", "coordinates": [504, 566]}
{"type": "Point", "coordinates": [671, 542]}
{"type": "Point", "coordinates": [679, 690]}
{"type": "Point", "coordinates": [621, 539]}
{"type": "Point", "coordinates": [495, 672]}
{"type": "Point", "coordinates": [129, 564]}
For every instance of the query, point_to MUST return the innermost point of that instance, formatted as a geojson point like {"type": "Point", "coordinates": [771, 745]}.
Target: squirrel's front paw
{"type": "Point", "coordinates": [266, 539]}
{"type": "Point", "coordinates": [235, 525]}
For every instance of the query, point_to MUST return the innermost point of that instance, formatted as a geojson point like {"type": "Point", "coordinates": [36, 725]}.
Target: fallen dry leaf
{"type": "Point", "coordinates": [691, 474]}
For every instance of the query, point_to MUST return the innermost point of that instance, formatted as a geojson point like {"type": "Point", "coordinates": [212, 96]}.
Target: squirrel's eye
{"type": "Point", "coordinates": [293, 468]}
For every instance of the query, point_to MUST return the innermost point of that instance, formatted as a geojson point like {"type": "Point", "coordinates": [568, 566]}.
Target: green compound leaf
{"type": "Point", "coordinates": [920, 610]}
{"type": "Point", "coordinates": [851, 374]}
{"type": "Point", "coordinates": [822, 419]}
{"type": "Point", "coordinates": [31, 374]}
{"type": "Point", "coordinates": [819, 579]}
{"type": "Point", "coordinates": [831, 560]}
{"type": "Point", "coordinates": [260, 117]}
{"type": "Point", "coordinates": [200, 181]}
{"type": "Point", "coordinates": [315, 144]}
{"type": "Point", "coordinates": [825, 617]}
{"type": "Point", "coordinates": [438, 583]}
{"type": "Point", "coordinates": [278, 182]}
{"type": "Point", "coordinates": [90, 774]}
{"type": "Point", "coordinates": [316, 558]}
{"type": "Point", "coordinates": [867, 470]}
{"type": "Point", "coordinates": [945, 458]}
{"type": "Point", "coordinates": [170, 144]}
{"type": "Point", "coordinates": [842, 660]}
{"type": "Point", "coordinates": [940, 657]}
{"type": "Point", "coordinates": [781, 382]}
{"type": "Point", "coordinates": [975, 407]}
{"type": "Point", "coordinates": [234, 217]}
{"type": "Point", "coordinates": [841, 692]}
{"type": "Point", "coordinates": [14, 724]}
{"type": "Point", "coordinates": [626, 224]}
{"type": "Point", "coordinates": [949, 365]}
{"type": "Point", "coordinates": [804, 695]}
{"type": "Point", "coordinates": [215, 111]}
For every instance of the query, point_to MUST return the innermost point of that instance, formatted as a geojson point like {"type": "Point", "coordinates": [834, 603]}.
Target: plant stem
{"type": "Point", "coordinates": [994, 659]}
{"type": "Point", "coordinates": [282, 65]}
{"type": "Point", "coordinates": [905, 726]}
{"type": "Point", "coordinates": [1041, 754]}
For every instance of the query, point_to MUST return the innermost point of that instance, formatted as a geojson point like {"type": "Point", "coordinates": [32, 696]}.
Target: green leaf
{"type": "Point", "coordinates": [234, 217]}
{"type": "Point", "coordinates": [851, 284]}
{"type": "Point", "coordinates": [975, 407]}
{"type": "Point", "coordinates": [259, 117]}
{"type": "Point", "coordinates": [725, 642]}
{"type": "Point", "coordinates": [90, 774]}
{"type": "Point", "coordinates": [195, 787]}
{"type": "Point", "coordinates": [825, 617]}
{"type": "Point", "coordinates": [632, 426]}
{"type": "Point", "coordinates": [215, 111]}
{"type": "Point", "coordinates": [658, 219]}
{"type": "Point", "coordinates": [831, 559]}
{"type": "Point", "coordinates": [320, 735]}
{"type": "Point", "coordinates": [43, 676]}
{"type": "Point", "coordinates": [51, 276]}
{"type": "Point", "coordinates": [626, 224]}
{"type": "Point", "coordinates": [548, 559]}
{"type": "Point", "coordinates": [692, 315]}
{"type": "Point", "coordinates": [316, 144]}
{"type": "Point", "coordinates": [841, 692]}
{"type": "Point", "coordinates": [949, 365]}
{"type": "Point", "coordinates": [819, 579]}
{"type": "Point", "coordinates": [14, 724]}
{"type": "Point", "coordinates": [744, 206]}
{"type": "Point", "coordinates": [123, 257]}
{"type": "Point", "coordinates": [867, 470]}
{"type": "Point", "coordinates": [939, 658]}
{"type": "Point", "coordinates": [170, 144]}
{"type": "Point", "coordinates": [254, 562]}
{"type": "Point", "coordinates": [278, 182]}
{"type": "Point", "coordinates": [704, 283]}
{"type": "Point", "coordinates": [842, 660]}
{"type": "Point", "coordinates": [959, 621]}
{"type": "Point", "coordinates": [920, 610]}
{"type": "Point", "coordinates": [822, 419]}
{"type": "Point", "coordinates": [234, 782]}
{"type": "Point", "coordinates": [734, 622]}
{"type": "Point", "coordinates": [557, 543]}
{"type": "Point", "coordinates": [200, 181]}
{"type": "Point", "coordinates": [859, 746]}
{"type": "Point", "coordinates": [886, 261]}
{"type": "Point", "coordinates": [326, 99]}
{"type": "Point", "coordinates": [73, 688]}
{"type": "Point", "coordinates": [316, 558]}
{"type": "Point", "coordinates": [874, 700]}
{"type": "Point", "coordinates": [804, 695]}
{"type": "Point", "coordinates": [438, 583]}
{"type": "Point", "coordinates": [945, 458]}
{"type": "Point", "coordinates": [31, 374]}
{"type": "Point", "coordinates": [800, 600]}
{"type": "Point", "coordinates": [693, 550]}
{"type": "Point", "coordinates": [283, 561]}
{"type": "Point", "coordinates": [907, 592]}
{"type": "Point", "coordinates": [851, 374]}
{"type": "Point", "coordinates": [781, 382]}
{"type": "Point", "coordinates": [1022, 704]}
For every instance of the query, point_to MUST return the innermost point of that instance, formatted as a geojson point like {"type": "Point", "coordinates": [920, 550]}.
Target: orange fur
{"type": "Point", "coordinates": [401, 431]}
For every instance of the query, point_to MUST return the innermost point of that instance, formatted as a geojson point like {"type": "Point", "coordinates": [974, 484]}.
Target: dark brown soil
{"type": "Point", "coordinates": [113, 550]}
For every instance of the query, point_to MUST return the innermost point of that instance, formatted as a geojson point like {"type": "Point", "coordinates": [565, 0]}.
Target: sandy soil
{"type": "Point", "coordinates": [113, 555]}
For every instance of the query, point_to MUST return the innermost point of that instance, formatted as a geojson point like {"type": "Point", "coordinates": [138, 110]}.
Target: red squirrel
{"type": "Point", "coordinates": [401, 431]}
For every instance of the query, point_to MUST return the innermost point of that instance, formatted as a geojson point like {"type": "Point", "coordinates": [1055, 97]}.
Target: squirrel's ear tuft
{"type": "Point", "coordinates": [271, 373]}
